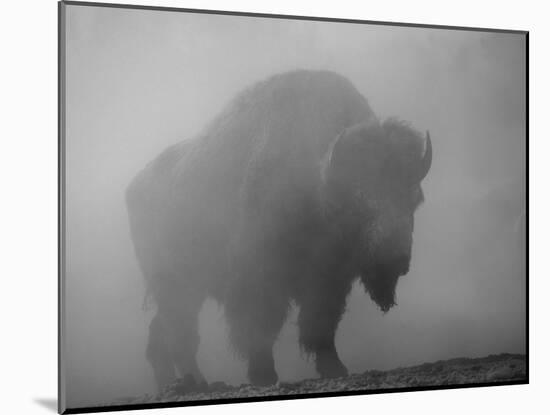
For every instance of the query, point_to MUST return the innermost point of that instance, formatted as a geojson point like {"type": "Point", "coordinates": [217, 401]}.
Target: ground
{"type": "Point", "coordinates": [490, 369]}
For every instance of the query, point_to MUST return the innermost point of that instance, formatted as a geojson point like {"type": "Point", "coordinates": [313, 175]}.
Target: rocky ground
{"type": "Point", "coordinates": [494, 368]}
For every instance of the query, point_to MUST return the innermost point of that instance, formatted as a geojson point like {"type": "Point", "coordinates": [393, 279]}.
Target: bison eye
{"type": "Point", "coordinates": [360, 194]}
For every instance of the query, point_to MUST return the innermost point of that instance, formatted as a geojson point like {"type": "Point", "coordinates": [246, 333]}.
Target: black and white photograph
{"type": "Point", "coordinates": [258, 207]}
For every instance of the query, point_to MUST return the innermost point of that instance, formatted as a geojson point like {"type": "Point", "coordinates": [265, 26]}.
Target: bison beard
{"type": "Point", "coordinates": [268, 206]}
{"type": "Point", "coordinates": [381, 289]}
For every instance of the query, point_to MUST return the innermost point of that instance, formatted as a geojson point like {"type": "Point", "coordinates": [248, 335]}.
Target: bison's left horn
{"type": "Point", "coordinates": [427, 159]}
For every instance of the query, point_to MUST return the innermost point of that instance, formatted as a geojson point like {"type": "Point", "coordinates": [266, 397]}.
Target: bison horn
{"type": "Point", "coordinates": [426, 159]}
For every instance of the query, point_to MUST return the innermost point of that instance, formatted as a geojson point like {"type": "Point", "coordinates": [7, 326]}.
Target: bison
{"type": "Point", "coordinates": [288, 196]}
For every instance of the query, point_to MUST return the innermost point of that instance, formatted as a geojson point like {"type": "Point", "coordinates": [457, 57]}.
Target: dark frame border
{"type": "Point", "coordinates": [62, 409]}
{"type": "Point", "coordinates": [61, 88]}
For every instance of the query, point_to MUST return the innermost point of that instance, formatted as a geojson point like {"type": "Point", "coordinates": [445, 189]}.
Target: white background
{"type": "Point", "coordinates": [28, 181]}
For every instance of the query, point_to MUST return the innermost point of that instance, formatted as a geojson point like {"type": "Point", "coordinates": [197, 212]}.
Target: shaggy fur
{"type": "Point", "coordinates": [291, 193]}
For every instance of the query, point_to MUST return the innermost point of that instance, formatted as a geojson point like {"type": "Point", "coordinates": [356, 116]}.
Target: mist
{"type": "Point", "coordinates": [138, 81]}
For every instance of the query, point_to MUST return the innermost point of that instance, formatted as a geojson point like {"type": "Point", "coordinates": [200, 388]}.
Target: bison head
{"type": "Point", "coordinates": [372, 177]}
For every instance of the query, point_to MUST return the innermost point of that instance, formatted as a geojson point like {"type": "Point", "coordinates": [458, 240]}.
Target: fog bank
{"type": "Point", "coordinates": [138, 81]}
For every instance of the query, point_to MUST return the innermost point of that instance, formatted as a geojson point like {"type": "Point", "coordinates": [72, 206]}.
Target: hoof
{"type": "Point", "coordinates": [266, 378]}
{"type": "Point", "coordinates": [332, 369]}
{"type": "Point", "coordinates": [188, 384]}
{"type": "Point", "coordinates": [218, 387]}
{"type": "Point", "coordinates": [261, 370]}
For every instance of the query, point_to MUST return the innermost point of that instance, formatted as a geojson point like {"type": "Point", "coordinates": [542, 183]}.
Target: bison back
{"type": "Point", "coordinates": [255, 169]}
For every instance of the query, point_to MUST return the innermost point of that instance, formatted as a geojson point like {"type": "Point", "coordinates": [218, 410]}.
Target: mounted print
{"type": "Point", "coordinates": [258, 207]}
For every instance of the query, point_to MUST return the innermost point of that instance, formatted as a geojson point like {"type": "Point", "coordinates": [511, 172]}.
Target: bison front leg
{"type": "Point", "coordinates": [159, 356]}
{"type": "Point", "coordinates": [255, 312]}
{"type": "Point", "coordinates": [321, 309]}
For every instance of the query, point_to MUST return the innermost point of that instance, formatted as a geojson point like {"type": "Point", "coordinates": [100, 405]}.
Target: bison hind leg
{"type": "Point", "coordinates": [176, 323]}
{"type": "Point", "coordinates": [159, 356]}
